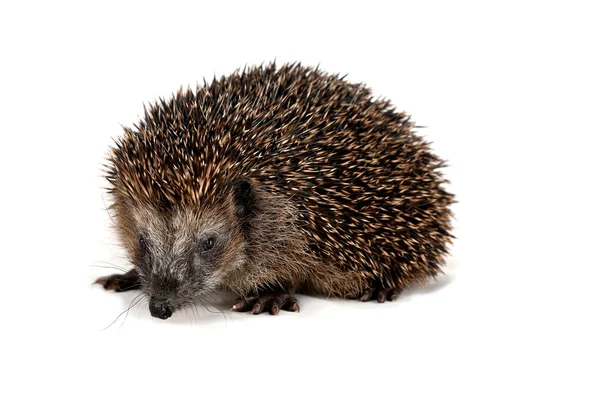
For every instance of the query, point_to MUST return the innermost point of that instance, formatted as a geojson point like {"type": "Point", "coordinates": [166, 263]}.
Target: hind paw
{"type": "Point", "coordinates": [380, 294]}
{"type": "Point", "coordinates": [273, 303]}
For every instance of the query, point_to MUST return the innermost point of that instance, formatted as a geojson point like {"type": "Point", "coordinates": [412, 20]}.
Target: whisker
{"type": "Point", "coordinates": [206, 308]}
{"type": "Point", "coordinates": [189, 311]}
{"type": "Point", "coordinates": [214, 312]}
{"type": "Point", "coordinates": [125, 311]}
{"type": "Point", "coordinates": [195, 311]}
{"type": "Point", "coordinates": [144, 300]}
{"type": "Point", "coordinates": [109, 263]}
{"type": "Point", "coordinates": [130, 306]}
{"type": "Point", "coordinates": [209, 310]}
{"type": "Point", "coordinates": [108, 267]}
{"type": "Point", "coordinates": [110, 244]}
{"type": "Point", "coordinates": [108, 212]}
{"type": "Point", "coordinates": [215, 298]}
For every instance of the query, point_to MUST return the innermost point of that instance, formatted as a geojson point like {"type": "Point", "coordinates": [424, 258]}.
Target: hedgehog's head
{"type": "Point", "coordinates": [183, 252]}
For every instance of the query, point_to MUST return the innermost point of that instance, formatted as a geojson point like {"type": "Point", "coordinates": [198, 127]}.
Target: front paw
{"type": "Point", "coordinates": [120, 282]}
{"type": "Point", "coordinates": [272, 302]}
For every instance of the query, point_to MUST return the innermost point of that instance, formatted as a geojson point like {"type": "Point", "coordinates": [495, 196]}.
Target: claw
{"type": "Point", "coordinates": [393, 294]}
{"type": "Point", "coordinates": [271, 303]}
{"type": "Point", "coordinates": [257, 309]}
{"type": "Point", "coordinates": [292, 305]}
{"type": "Point", "coordinates": [366, 296]}
{"type": "Point", "coordinates": [241, 305]}
{"type": "Point", "coordinates": [381, 295]}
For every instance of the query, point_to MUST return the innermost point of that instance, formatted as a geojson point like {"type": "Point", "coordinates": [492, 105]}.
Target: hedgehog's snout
{"type": "Point", "coordinates": [160, 307]}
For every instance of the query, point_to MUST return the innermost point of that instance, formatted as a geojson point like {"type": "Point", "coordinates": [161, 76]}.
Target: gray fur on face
{"type": "Point", "coordinates": [174, 263]}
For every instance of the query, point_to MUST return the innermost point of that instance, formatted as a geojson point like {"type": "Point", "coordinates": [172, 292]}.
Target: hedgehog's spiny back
{"type": "Point", "coordinates": [367, 190]}
{"type": "Point", "coordinates": [240, 118]}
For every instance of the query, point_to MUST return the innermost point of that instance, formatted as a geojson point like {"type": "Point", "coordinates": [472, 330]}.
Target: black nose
{"type": "Point", "coordinates": [160, 308]}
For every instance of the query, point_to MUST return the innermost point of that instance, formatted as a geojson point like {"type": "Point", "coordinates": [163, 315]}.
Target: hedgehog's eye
{"type": "Point", "coordinates": [208, 244]}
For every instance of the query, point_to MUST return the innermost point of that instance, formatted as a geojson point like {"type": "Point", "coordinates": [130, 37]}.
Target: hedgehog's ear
{"type": "Point", "coordinates": [243, 195]}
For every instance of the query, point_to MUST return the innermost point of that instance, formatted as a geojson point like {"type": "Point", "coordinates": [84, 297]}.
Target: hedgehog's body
{"type": "Point", "coordinates": [276, 180]}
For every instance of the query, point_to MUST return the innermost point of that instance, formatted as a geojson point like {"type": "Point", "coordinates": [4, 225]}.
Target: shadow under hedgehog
{"type": "Point", "coordinates": [274, 181]}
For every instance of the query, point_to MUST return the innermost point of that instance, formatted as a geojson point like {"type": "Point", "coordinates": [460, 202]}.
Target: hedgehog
{"type": "Point", "coordinates": [271, 182]}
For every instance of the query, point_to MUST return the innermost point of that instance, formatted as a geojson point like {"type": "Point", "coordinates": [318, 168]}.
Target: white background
{"type": "Point", "coordinates": [510, 96]}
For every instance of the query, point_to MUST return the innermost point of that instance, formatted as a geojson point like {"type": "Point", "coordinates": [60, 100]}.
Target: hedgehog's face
{"type": "Point", "coordinates": [182, 254]}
